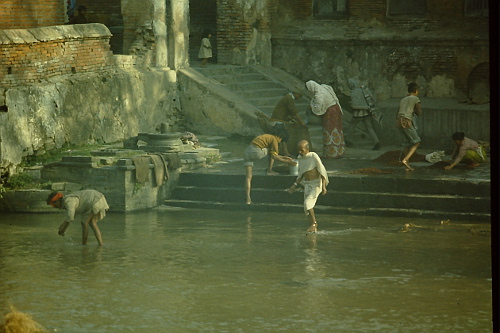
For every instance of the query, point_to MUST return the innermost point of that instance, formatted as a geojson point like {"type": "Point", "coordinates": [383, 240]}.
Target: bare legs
{"type": "Point", "coordinates": [313, 227]}
{"type": "Point", "coordinates": [204, 62]}
{"type": "Point", "coordinates": [409, 154]}
{"type": "Point", "coordinates": [92, 220]}
{"type": "Point", "coordinates": [248, 183]}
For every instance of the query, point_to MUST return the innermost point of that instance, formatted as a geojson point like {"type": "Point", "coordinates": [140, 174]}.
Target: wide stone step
{"type": "Point", "coordinates": [361, 200]}
{"type": "Point", "coordinates": [242, 77]}
{"type": "Point", "coordinates": [346, 182]}
{"type": "Point", "coordinates": [253, 85]}
{"type": "Point", "coordinates": [438, 215]}
{"type": "Point", "coordinates": [271, 92]}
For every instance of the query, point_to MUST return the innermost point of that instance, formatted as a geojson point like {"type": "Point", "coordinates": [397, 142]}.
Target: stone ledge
{"type": "Point", "coordinates": [58, 32]}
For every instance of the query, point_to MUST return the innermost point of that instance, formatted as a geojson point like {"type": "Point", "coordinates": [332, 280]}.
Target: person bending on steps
{"type": "Point", "coordinates": [260, 147]}
{"type": "Point", "coordinates": [314, 178]}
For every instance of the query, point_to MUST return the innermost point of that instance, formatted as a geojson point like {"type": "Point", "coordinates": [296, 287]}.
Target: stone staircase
{"type": "Point", "coordinates": [383, 195]}
{"type": "Point", "coordinates": [256, 85]}
{"type": "Point", "coordinates": [347, 194]}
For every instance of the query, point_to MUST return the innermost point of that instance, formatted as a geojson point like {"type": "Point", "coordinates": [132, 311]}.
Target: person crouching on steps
{"type": "Point", "coordinates": [260, 147]}
{"type": "Point", "coordinates": [314, 178]}
{"type": "Point", "coordinates": [91, 204]}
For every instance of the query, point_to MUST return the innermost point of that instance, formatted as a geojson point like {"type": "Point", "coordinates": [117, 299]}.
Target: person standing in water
{"type": "Point", "coordinates": [314, 178]}
{"type": "Point", "coordinates": [92, 206]}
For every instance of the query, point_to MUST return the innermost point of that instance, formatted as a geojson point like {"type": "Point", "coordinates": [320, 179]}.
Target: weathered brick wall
{"type": "Point", "coordinates": [106, 12]}
{"type": "Point", "coordinates": [243, 31]}
{"type": "Point", "coordinates": [436, 10]}
{"type": "Point", "coordinates": [367, 8]}
{"type": "Point", "coordinates": [135, 14]}
{"type": "Point", "coordinates": [28, 56]}
{"type": "Point", "coordinates": [21, 14]}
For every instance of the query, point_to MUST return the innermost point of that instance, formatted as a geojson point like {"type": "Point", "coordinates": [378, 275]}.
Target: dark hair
{"type": "Point", "coordinates": [412, 87]}
{"type": "Point", "coordinates": [458, 136]}
{"type": "Point", "coordinates": [279, 130]}
{"type": "Point", "coordinates": [206, 33]}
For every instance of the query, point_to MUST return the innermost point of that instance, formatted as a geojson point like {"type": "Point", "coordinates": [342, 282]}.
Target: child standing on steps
{"type": "Point", "coordinates": [205, 49]}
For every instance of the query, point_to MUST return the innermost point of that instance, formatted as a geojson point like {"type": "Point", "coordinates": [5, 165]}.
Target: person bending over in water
{"type": "Point", "coordinates": [91, 204]}
{"type": "Point", "coordinates": [314, 178]}
{"type": "Point", "coordinates": [466, 150]}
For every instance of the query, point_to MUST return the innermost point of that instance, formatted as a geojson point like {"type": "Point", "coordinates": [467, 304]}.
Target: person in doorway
{"type": "Point", "coordinates": [286, 111]}
{"type": "Point", "coordinates": [361, 114]}
{"type": "Point", "coordinates": [260, 147]}
{"type": "Point", "coordinates": [205, 49]}
{"type": "Point", "coordinates": [314, 178]}
{"type": "Point", "coordinates": [92, 206]}
{"type": "Point", "coordinates": [326, 104]}
{"type": "Point", "coordinates": [467, 151]}
{"type": "Point", "coordinates": [80, 18]}
{"type": "Point", "coordinates": [409, 107]}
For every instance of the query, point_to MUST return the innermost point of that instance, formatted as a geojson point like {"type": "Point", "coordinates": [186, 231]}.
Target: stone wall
{"type": "Point", "coordinates": [85, 109]}
{"type": "Point", "coordinates": [441, 67]}
{"type": "Point", "coordinates": [31, 55]}
{"type": "Point", "coordinates": [21, 14]}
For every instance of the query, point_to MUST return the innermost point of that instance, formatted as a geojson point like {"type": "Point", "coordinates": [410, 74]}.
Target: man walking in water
{"type": "Point", "coordinates": [91, 204]}
{"type": "Point", "coordinates": [314, 178]}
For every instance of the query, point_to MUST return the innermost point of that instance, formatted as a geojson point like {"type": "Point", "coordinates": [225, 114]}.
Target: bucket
{"type": "Point", "coordinates": [294, 170]}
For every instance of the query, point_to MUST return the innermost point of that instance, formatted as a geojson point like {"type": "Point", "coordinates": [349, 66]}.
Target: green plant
{"type": "Point", "coordinates": [21, 180]}
{"type": "Point", "coordinates": [213, 158]}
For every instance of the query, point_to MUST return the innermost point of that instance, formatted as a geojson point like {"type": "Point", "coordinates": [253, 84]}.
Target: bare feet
{"type": "Point", "coordinates": [313, 228]}
{"type": "Point", "coordinates": [249, 202]}
{"type": "Point", "coordinates": [408, 167]}
{"type": "Point", "coordinates": [272, 173]}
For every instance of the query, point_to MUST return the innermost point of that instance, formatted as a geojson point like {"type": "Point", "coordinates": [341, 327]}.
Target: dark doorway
{"type": "Point", "coordinates": [202, 18]}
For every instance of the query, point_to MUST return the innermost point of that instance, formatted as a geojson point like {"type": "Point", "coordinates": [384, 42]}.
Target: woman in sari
{"type": "Point", "coordinates": [326, 104]}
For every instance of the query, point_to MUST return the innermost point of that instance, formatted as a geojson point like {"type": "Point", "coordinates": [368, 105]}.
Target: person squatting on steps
{"type": "Point", "coordinates": [466, 150]}
{"type": "Point", "coordinates": [260, 147]}
{"type": "Point", "coordinates": [314, 178]}
{"type": "Point", "coordinates": [91, 204]}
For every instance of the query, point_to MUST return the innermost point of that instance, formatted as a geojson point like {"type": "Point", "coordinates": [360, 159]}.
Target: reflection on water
{"type": "Point", "coordinates": [207, 271]}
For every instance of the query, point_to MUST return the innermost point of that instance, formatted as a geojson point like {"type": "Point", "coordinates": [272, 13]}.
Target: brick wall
{"type": "Point", "coordinates": [21, 14]}
{"type": "Point", "coordinates": [28, 56]}
{"type": "Point", "coordinates": [237, 24]}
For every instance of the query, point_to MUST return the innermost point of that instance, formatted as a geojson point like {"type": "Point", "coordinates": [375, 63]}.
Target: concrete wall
{"type": "Point", "coordinates": [84, 109]}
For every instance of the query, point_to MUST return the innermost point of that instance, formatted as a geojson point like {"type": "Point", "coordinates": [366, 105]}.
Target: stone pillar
{"type": "Point", "coordinates": [160, 32]}
{"type": "Point", "coordinates": [178, 31]}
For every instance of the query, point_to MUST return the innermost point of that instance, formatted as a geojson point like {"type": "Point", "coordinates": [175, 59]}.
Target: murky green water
{"type": "Point", "coordinates": [208, 271]}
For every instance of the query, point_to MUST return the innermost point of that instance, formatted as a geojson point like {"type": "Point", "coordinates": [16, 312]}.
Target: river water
{"type": "Point", "coordinates": [177, 270]}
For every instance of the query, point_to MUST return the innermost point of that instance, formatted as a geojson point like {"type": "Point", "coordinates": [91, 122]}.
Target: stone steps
{"type": "Point", "coordinates": [446, 199]}
{"type": "Point", "coordinates": [263, 91]}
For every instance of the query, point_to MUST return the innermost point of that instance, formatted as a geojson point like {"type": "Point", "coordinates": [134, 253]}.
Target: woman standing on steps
{"type": "Point", "coordinates": [326, 104]}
